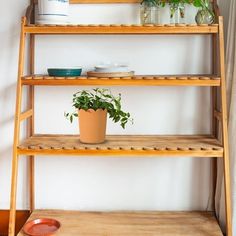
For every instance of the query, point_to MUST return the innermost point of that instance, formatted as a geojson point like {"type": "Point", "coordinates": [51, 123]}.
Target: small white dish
{"type": "Point", "coordinates": [111, 68]}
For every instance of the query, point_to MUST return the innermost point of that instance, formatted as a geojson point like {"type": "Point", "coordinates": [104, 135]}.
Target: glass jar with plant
{"type": "Point", "coordinates": [205, 14]}
{"type": "Point", "coordinates": [177, 11]}
{"type": "Point", "coordinates": [92, 107]}
{"type": "Point", "coordinates": [150, 11]}
{"type": "Point", "coordinates": [182, 12]}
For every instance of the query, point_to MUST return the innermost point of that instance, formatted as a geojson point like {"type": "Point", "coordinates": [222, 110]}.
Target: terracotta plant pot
{"type": "Point", "coordinates": [92, 125]}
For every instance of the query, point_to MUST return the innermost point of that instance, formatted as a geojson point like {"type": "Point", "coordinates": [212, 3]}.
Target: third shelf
{"type": "Point", "coordinates": [124, 145]}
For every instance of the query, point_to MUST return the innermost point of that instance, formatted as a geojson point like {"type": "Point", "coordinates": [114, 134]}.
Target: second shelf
{"type": "Point", "coordinates": [138, 80]}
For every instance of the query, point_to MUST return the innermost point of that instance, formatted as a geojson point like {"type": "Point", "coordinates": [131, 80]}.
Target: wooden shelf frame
{"type": "Point", "coordinates": [199, 149]}
{"type": "Point", "coordinates": [138, 80]}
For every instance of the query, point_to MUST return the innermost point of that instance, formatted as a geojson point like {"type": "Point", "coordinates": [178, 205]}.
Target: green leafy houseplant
{"type": "Point", "coordinates": [201, 3]}
{"type": "Point", "coordinates": [196, 3]}
{"type": "Point", "coordinates": [180, 1]}
{"type": "Point", "coordinates": [154, 2]}
{"type": "Point", "coordinates": [100, 99]}
{"type": "Point", "coordinates": [163, 2]}
{"type": "Point", "coordinates": [205, 14]}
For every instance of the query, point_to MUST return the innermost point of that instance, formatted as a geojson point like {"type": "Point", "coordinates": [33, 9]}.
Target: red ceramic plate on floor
{"type": "Point", "coordinates": [41, 227]}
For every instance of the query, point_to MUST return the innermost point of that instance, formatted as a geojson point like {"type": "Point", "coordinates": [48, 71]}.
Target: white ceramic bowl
{"type": "Point", "coordinates": [111, 68]}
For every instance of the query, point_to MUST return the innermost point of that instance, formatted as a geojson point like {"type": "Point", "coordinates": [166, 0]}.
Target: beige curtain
{"type": "Point", "coordinates": [231, 93]}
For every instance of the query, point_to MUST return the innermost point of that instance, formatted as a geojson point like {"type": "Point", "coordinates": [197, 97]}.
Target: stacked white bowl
{"type": "Point", "coordinates": [111, 68]}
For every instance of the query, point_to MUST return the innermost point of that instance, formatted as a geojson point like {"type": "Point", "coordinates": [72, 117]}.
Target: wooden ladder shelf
{"type": "Point", "coordinates": [205, 146]}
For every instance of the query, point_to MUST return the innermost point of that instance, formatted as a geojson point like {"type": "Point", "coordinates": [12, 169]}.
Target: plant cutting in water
{"type": "Point", "coordinates": [178, 5]}
{"type": "Point", "coordinates": [154, 2]}
{"type": "Point", "coordinates": [100, 99]}
{"type": "Point", "coordinates": [149, 11]}
{"type": "Point", "coordinates": [205, 15]}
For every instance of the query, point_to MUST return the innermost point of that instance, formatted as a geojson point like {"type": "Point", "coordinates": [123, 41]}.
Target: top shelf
{"type": "Point", "coordinates": [122, 29]}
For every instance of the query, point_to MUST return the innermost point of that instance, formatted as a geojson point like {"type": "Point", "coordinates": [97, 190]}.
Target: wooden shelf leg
{"type": "Point", "coordinates": [214, 133]}
{"type": "Point", "coordinates": [31, 183]}
{"type": "Point", "coordinates": [17, 133]}
{"type": "Point", "coordinates": [214, 124]}
{"type": "Point", "coordinates": [31, 124]}
{"type": "Point", "coordinates": [225, 133]}
{"type": "Point", "coordinates": [12, 218]}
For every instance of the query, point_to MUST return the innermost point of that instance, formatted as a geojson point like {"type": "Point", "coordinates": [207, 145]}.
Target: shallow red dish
{"type": "Point", "coordinates": [41, 227]}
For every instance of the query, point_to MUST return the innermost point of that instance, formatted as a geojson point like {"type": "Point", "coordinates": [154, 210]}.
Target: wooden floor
{"type": "Point", "coordinates": [181, 145]}
{"type": "Point", "coordinates": [133, 224]}
{"type": "Point", "coordinates": [21, 217]}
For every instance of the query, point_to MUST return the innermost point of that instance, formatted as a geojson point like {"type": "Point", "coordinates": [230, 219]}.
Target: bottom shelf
{"type": "Point", "coordinates": [132, 223]}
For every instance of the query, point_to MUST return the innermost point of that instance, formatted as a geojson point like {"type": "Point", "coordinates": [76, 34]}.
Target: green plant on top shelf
{"type": "Point", "coordinates": [154, 2]}
{"type": "Point", "coordinates": [163, 2]}
{"type": "Point", "coordinates": [180, 1]}
{"type": "Point", "coordinates": [201, 3]}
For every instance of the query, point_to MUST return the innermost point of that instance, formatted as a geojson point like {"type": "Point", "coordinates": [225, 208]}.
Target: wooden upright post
{"type": "Point", "coordinates": [31, 125]}
{"type": "Point", "coordinates": [224, 131]}
{"type": "Point", "coordinates": [214, 119]}
{"type": "Point", "coordinates": [31, 119]}
{"type": "Point", "coordinates": [214, 124]}
{"type": "Point", "coordinates": [17, 132]}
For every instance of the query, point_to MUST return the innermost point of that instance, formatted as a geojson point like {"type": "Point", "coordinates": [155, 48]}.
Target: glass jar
{"type": "Point", "coordinates": [177, 13]}
{"type": "Point", "coordinates": [181, 13]}
{"type": "Point", "coordinates": [149, 13]}
{"type": "Point", "coordinates": [205, 14]}
{"type": "Point", "coordinates": [173, 13]}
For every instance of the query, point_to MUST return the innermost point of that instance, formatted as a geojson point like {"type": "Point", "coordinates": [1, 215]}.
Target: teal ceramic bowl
{"type": "Point", "coordinates": [65, 72]}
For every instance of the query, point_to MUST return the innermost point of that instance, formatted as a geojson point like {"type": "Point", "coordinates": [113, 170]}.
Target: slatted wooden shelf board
{"type": "Point", "coordinates": [132, 145]}
{"type": "Point", "coordinates": [142, 80]}
{"type": "Point", "coordinates": [132, 223]}
{"type": "Point", "coordinates": [123, 29]}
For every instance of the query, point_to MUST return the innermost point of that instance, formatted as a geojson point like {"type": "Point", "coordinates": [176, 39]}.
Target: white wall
{"type": "Point", "coordinates": [224, 10]}
{"type": "Point", "coordinates": [11, 12]}
{"type": "Point", "coordinates": [109, 183]}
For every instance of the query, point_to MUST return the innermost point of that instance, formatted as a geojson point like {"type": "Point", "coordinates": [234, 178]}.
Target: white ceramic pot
{"type": "Point", "coordinates": [53, 11]}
